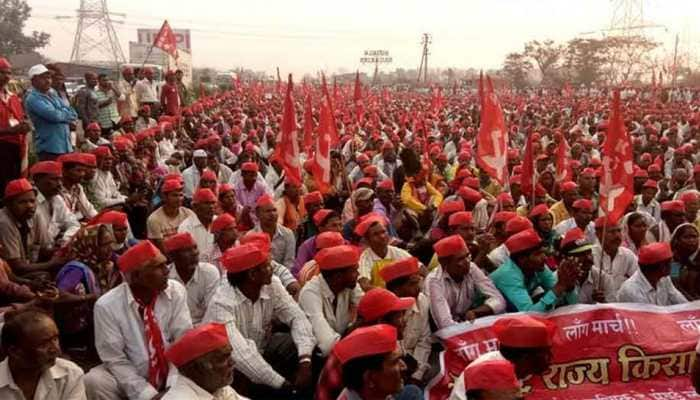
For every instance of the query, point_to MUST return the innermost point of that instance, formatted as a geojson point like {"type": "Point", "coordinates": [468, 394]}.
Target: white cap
{"type": "Point", "coordinates": [199, 153]}
{"type": "Point", "coordinates": [37, 70]}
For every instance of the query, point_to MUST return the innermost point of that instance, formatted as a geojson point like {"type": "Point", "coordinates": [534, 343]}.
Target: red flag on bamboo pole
{"type": "Point", "coordinates": [357, 98]}
{"type": "Point", "coordinates": [308, 123]}
{"type": "Point", "coordinates": [492, 137]}
{"type": "Point", "coordinates": [321, 166]}
{"type": "Point", "coordinates": [165, 40]}
{"type": "Point", "coordinates": [287, 150]}
{"type": "Point", "coordinates": [331, 106]}
{"type": "Point", "coordinates": [564, 172]}
{"type": "Point", "coordinates": [616, 186]}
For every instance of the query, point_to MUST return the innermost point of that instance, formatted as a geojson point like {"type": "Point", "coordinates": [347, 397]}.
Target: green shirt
{"type": "Point", "coordinates": [107, 115]}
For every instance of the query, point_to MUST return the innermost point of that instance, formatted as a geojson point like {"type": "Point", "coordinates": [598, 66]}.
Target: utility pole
{"type": "Point", "coordinates": [423, 68]}
{"type": "Point", "coordinates": [674, 71]}
{"type": "Point", "coordinates": [95, 37]}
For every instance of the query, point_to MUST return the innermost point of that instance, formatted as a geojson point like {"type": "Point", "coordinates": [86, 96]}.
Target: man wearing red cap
{"type": "Point", "coordinates": [20, 226]}
{"type": "Point", "coordinates": [247, 303]}
{"type": "Point", "coordinates": [646, 201]}
{"type": "Point", "coordinates": [203, 360]}
{"type": "Point", "coordinates": [615, 260]}
{"type": "Point", "coordinates": [326, 221]}
{"type": "Point", "coordinates": [164, 221]}
{"type": "Point", "coordinates": [525, 272]}
{"type": "Point", "coordinates": [199, 224]}
{"type": "Point", "coordinates": [592, 286]}
{"type": "Point", "coordinates": [127, 102]}
{"type": "Point", "coordinates": [524, 341]}
{"type": "Point", "coordinates": [307, 228]}
{"type": "Point", "coordinates": [169, 95]}
{"type": "Point", "coordinates": [62, 222]}
{"type": "Point", "coordinates": [290, 207]}
{"type": "Point", "coordinates": [283, 248]}
{"type": "Point", "coordinates": [452, 287]}
{"type": "Point", "coordinates": [587, 186]}
{"type": "Point", "coordinates": [491, 380]}
{"type": "Point", "coordinates": [225, 231]}
{"type": "Point", "coordinates": [403, 278]}
{"type": "Point", "coordinates": [13, 128]}
{"type": "Point", "coordinates": [363, 162]}
{"type": "Point", "coordinates": [330, 298]}
{"type": "Point", "coordinates": [388, 162]}
{"type": "Point", "coordinates": [582, 218]}
{"type": "Point", "coordinates": [652, 284]}
{"type": "Point", "coordinates": [146, 91]}
{"type": "Point", "coordinates": [563, 209]}
{"type": "Point", "coordinates": [74, 170]}
{"type": "Point", "coordinates": [672, 215]}
{"type": "Point", "coordinates": [104, 187]}
{"type": "Point", "coordinates": [378, 253]}
{"type": "Point", "coordinates": [249, 187]}
{"type": "Point", "coordinates": [199, 278]}
{"type": "Point", "coordinates": [322, 241]}
{"type": "Point", "coordinates": [134, 324]}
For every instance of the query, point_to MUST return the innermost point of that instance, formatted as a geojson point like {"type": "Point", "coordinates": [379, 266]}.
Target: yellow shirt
{"type": "Point", "coordinates": [412, 202]}
{"type": "Point", "coordinates": [559, 212]}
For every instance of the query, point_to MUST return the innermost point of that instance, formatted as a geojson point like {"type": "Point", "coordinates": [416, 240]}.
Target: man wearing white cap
{"type": "Point", "coordinates": [50, 116]}
{"type": "Point", "coordinates": [192, 174]}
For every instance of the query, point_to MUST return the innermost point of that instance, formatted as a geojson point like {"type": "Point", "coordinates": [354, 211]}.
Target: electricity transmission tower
{"type": "Point", "coordinates": [423, 68]}
{"type": "Point", "coordinates": [95, 38]}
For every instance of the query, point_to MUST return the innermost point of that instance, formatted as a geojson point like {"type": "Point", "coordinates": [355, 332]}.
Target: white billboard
{"type": "Point", "coordinates": [182, 36]}
{"type": "Point", "coordinates": [138, 52]}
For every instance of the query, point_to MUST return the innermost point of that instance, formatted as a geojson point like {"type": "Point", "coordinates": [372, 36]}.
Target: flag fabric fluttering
{"type": "Point", "coordinates": [616, 186]}
{"type": "Point", "coordinates": [308, 123]}
{"type": "Point", "coordinates": [165, 40]}
{"type": "Point", "coordinates": [564, 171]}
{"type": "Point", "coordinates": [330, 102]}
{"type": "Point", "coordinates": [357, 98]}
{"type": "Point", "coordinates": [321, 165]}
{"type": "Point", "coordinates": [492, 138]}
{"type": "Point", "coordinates": [287, 150]}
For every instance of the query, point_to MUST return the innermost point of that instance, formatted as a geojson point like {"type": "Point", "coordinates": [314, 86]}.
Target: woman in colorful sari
{"type": "Point", "coordinates": [91, 272]}
{"type": "Point", "coordinates": [685, 270]}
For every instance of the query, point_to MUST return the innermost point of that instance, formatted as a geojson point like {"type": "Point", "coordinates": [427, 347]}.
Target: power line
{"type": "Point", "coordinates": [95, 34]}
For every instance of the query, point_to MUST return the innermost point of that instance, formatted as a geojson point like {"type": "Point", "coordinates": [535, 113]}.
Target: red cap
{"type": "Point", "coordinates": [364, 181]}
{"type": "Point", "coordinates": [689, 196]}
{"type": "Point", "coordinates": [260, 239]}
{"type": "Point", "coordinates": [88, 159]}
{"type": "Point", "coordinates": [337, 257]}
{"type": "Point", "coordinates": [640, 173]}
{"type": "Point", "coordinates": [696, 169]}
{"type": "Point", "coordinates": [321, 215]}
{"type": "Point", "coordinates": [203, 196]}
{"type": "Point", "coordinates": [472, 182]}
{"type": "Point", "coordinates": [328, 239]}
{"type": "Point", "coordinates": [568, 187]}
{"type": "Point", "coordinates": [208, 175]}
{"type": "Point", "coordinates": [178, 241]}
{"type": "Point", "coordinates": [588, 172]}
{"type": "Point", "coordinates": [371, 170]}
{"type": "Point", "coordinates": [491, 375]}
{"type": "Point", "coordinates": [524, 331]}
{"type": "Point", "coordinates": [71, 158]}
{"type": "Point", "coordinates": [362, 228]}
{"type": "Point", "coordinates": [525, 240]}
{"type": "Point", "coordinates": [398, 269]}
{"type": "Point", "coordinates": [93, 126]}
{"type": "Point", "coordinates": [655, 253]}
{"type": "Point", "coordinates": [653, 168]}
{"type": "Point", "coordinates": [367, 341]}
{"type": "Point", "coordinates": [139, 256]}
{"type": "Point", "coordinates": [517, 224]}
{"type": "Point", "coordinates": [601, 221]}
{"type": "Point", "coordinates": [244, 257]}
{"type": "Point", "coordinates": [313, 198]}
{"type": "Point", "coordinates": [47, 168]}
{"type": "Point", "coordinates": [225, 188]}
{"type": "Point", "coordinates": [223, 222]}
{"type": "Point", "coordinates": [583, 204]}
{"type": "Point", "coordinates": [460, 218]}
{"type": "Point", "coordinates": [378, 302]}
{"type": "Point", "coordinates": [249, 167]}
{"type": "Point", "coordinates": [122, 144]}
{"type": "Point", "coordinates": [539, 209]}
{"type": "Point", "coordinates": [264, 200]}
{"type": "Point", "coordinates": [505, 198]}
{"type": "Point", "coordinates": [451, 206]}
{"type": "Point", "coordinates": [572, 236]}
{"type": "Point", "coordinates": [650, 183]}
{"type": "Point", "coordinates": [197, 342]}
{"type": "Point", "coordinates": [114, 218]}
{"type": "Point", "coordinates": [170, 185]}
{"type": "Point", "coordinates": [102, 152]}
{"type": "Point", "coordinates": [4, 64]}
{"type": "Point", "coordinates": [449, 246]}
{"type": "Point", "coordinates": [386, 184]}
{"type": "Point", "coordinates": [674, 205]}
{"type": "Point", "coordinates": [503, 216]}
{"type": "Point", "coordinates": [17, 187]}
{"type": "Point", "coordinates": [362, 157]}
{"type": "Point", "coordinates": [469, 194]}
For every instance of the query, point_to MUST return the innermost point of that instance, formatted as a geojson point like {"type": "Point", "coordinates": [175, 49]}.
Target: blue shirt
{"type": "Point", "coordinates": [50, 117]}
{"type": "Point", "coordinates": [517, 289]}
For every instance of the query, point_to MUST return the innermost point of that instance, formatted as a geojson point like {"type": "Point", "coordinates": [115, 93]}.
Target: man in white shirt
{"type": "Point", "coordinates": [283, 241]}
{"type": "Point", "coordinates": [199, 224]}
{"type": "Point", "coordinates": [105, 188]}
{"type": "Point", "coordinates": [330, 298]}
{"type": "Point", "coordinates": [647, 200]}
{"type": "Point", "coordinates": [404, 280]}
{"type": "Point", "coordinates": [72, 192]}
{"type": "Point", "coordinates": [134, 323]}
{"type": "Point", "coordinates": [146, 90]}
{"type": "Point", "coordinates": [651, 284]}
{"type": "Point", "coordinates": [247, 303]}
{"type": "Point", "coordinates": [164, 138]}
{"type": "Point", "coordinates": [203, 359]}
{"type": "Point", "coordinates": [582, 218]}
{"type": "Point", "coordinates": [47, 179]}
{"type": "Point", "coordinates": [378, 252]}
{"type": "Point", "coordinates": [32, 368]}
{"type": "Point", "coordinates": [615, 260]}
{"type": "Point", "coordinates": [192, 173]}
{"type": "Point", "coordinates": [199, 278]}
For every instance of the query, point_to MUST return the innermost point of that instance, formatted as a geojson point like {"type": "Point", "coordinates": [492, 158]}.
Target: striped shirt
{"type": "Point", "coordinates": [108, 114]}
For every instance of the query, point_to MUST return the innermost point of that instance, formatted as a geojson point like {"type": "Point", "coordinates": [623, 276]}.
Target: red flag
{"type": "Point", "coordinates": [287, 150]}
{"type": "Point", "coordinates": [568, 90]}
{"type": "Point", "coordinates": [321, 166]}
{"type": "Point", "coordinates": [165, 40]}
{"type": "Point", "coordinates": [335, 93]}
{"type": "Point", "coordinates": [616, 186]}
{"type": "Point", "coordinates": [436, 102]}
{"type": "Point", "coordinates": [279, 82]}
{"type": "Point", "coordinates": [331, 106]}
{"type": "Point", "coordinates": [564, 172]}
{"type": "Point", "coordinates": [491, 153]}
{"type": "Point", "coordinates": [528, 171]}
{"type": "Point", "coordinates": [357, 98]}
{"type": "Point", "coordinates": [661, 78]}
{"type": "Point", "coordinates": [308, 123]}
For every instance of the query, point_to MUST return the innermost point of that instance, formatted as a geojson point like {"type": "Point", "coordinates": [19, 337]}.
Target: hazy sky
{"type": "Point", "coordinates": [310, 35]}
